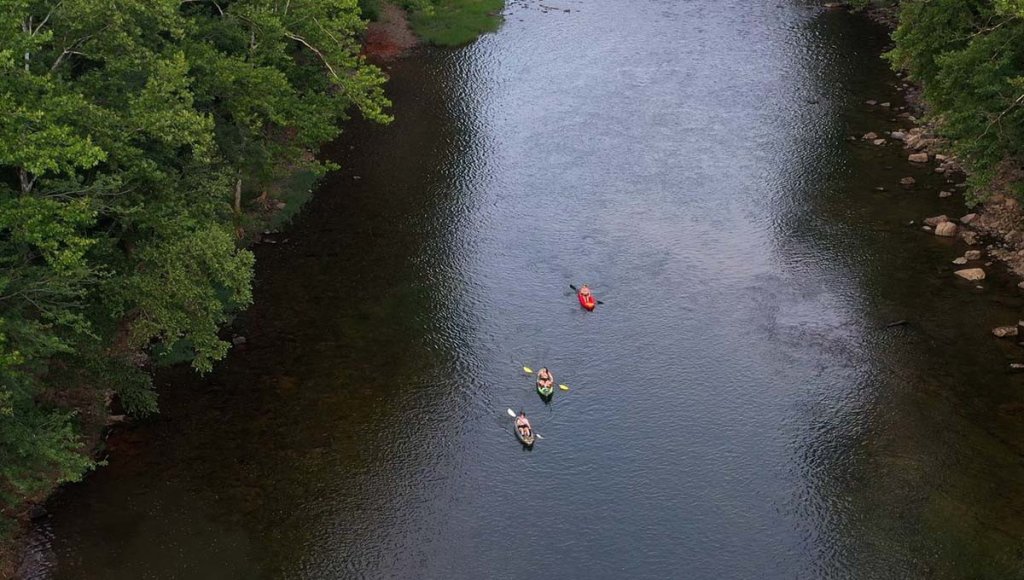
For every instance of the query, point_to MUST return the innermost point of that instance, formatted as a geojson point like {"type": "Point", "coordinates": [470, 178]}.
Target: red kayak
{"type": "Point", "coordinates": [588, 302]}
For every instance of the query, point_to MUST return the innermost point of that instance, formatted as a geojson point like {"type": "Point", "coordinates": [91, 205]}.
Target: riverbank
{"type": "Point", "coordinates": [257, 216]}
{"type": "Point", "coordinates": [992, 224]}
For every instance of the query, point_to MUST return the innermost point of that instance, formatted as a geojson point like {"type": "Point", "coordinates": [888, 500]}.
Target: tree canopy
{"type": "Point", "coordinates": [129, 129]}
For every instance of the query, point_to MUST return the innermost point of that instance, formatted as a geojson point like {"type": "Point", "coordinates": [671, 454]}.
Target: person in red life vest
{"type": "Point", "coordinates": [586, 298]}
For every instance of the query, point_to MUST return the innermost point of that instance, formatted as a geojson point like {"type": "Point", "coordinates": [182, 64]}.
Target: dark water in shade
{"type": "Point", "coordinates": [737, 409]}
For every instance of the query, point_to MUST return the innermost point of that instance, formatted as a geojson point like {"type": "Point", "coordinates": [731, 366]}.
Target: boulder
{"type": "Point", "coordinates": [870, 136]}
{"type": "Point", "coordinates": [918, 158]}
{"type": "Point", "coordinates": [1004, 331]}
{"type": "Point", "coordinates": [967, 219]}
{"type": "Point", "coordinates": [908, 181]}
{"type": "Point", "coordinates": [972, 255]}
{"type": "Point", "coordinates": [936, 220]}
{"type": "Point", "coordinates": [960, 261]}
{"type": "Point", "coordinates": [946, 230]}
{"type": "Point", "coordinates": [898, 135]}
{"type": "Point", "coordinates": [972, 274]}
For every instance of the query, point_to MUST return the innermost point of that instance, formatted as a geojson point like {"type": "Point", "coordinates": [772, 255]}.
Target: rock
{"type": "Point", "coordinates": [946, 230]}
{"type": "Point", "coordinates": [356, 177]}
{"type": "Point", "coordinates": [926, 228]}
{"type": "Point", "coordinates": [936, 220]}
{"type": "Point", "coordinates": [972, 274]}
{"type": "Point", "coordinates": [1004, 331]}
{"type": "Point", "coordinates": [918, 158]}
{"type": "Point", "coordinates": [886, 105]}
{"type": "Point", "coordinates": [968, 218]}
{"type": "Point", "coordinates": [940, 170]}
{"type": "Point", "coordinates": [37, 512]}
{"type": "Point", "coordinates": [879, 188]}
{"type": "Point", "coordinates": [898, 135]}
{"type": "Point", "coordinates": [115, 419]}
{"type": "Point", "coordinates": [945, 194]}
{"type": "Point", "coordinates": [972, 255]}
{"type": "Point", "coordinates": [878, 142]}
{"type": "Point", "coordinates": [871, 103]}
{"type": "Point", "coordinates": [281, 205]}
{"type": "Point", "coordinates": [969, 237]}
{"type": "Point", "coordinates": [1020, 285]}
{"type": "Point", "coordinates": [870, 136]}
{"type": "Point", "coordinates": [960, 261]}
{"type": "Point", "coordinates": [238, 340]}
{"type": "Point", "coordinates": [941, 158]}
{"type": "Point", "coordinates": [908, 181]}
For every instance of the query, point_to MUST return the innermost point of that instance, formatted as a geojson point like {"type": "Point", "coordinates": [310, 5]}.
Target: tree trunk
{"type": "Point", "coordinates": [238, 196]}
{"type": "Point", "coordinates": [26, 180]}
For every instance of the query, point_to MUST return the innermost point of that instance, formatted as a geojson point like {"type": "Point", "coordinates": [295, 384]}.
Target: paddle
{"type": "Point", "coordinates": [575, 290]}
{"type": "Point", "coordinates": [529, 371]}
{"type": "Point", "coordinates": [512, 414]}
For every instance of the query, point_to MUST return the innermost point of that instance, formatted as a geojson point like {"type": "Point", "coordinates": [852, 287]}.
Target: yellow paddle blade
{"type": "Point", "coordinates": [564, 387]}
{"type": "Point", "coordinates": [528, 370]}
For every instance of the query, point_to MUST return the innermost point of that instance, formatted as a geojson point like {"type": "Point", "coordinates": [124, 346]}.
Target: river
{"type": "Point", "coordinates": [738, 408]}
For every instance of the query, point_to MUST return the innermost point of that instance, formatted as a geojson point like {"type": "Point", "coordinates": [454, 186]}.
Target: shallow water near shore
{"type": "Point", "coordinates": [738, 407]}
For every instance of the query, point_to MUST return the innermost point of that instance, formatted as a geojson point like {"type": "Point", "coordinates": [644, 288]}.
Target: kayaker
{"type": "Point", "coordinates": [523, 424]}
{"type": "Point", "coordinates": [544, 377]}
{"type": "Point", "coordinates": [585, 290]}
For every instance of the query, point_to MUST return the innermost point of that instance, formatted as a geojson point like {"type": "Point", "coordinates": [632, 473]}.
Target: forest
{"type": "Point", "coordinates": [140, 142]}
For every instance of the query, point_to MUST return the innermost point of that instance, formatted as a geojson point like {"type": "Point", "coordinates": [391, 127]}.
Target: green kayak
{"type": "Point", "coordinates": [546, 391]}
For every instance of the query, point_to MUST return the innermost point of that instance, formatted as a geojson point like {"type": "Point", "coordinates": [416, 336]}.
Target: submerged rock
{"type": "Point", "coordinates": [972, 274]}
{"type": "Point", "coordinates": [1004, 331]}
{"type": "Point", "coordinates": [946, 229]}
{"type": "Point", "coordinates": [944, 194]}
{"type": "Point", "coordinates": [908, 181]}
{"type": "Point", "coordinates": [936, 220]}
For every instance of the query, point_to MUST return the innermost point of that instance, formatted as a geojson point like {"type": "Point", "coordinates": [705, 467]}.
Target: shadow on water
{"type": "Point", "coordinates": [916, 453]}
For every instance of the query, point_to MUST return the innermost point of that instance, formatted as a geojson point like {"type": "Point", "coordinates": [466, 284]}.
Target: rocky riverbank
{"type": "Point", "coordinates": [992, 224]}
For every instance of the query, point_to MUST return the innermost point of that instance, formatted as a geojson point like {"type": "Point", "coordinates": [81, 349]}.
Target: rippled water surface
{"type": "Point", "coordinates": [737, 408]}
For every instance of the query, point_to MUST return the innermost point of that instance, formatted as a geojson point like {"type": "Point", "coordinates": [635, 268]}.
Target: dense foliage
{"type": "Point", "coordinates": [969, 57]}
{"type": "Point", "coordinates": [129, 131]}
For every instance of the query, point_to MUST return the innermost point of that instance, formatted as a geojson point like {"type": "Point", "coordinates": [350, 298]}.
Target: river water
{"type": "Point", "coordinates": [737, 407]}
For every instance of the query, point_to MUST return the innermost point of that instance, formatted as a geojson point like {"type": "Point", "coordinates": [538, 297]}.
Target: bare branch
{"type": "Point", "coordinates": [1013, 105]}
{"type": "Point", "coordinates": [315, 51]}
